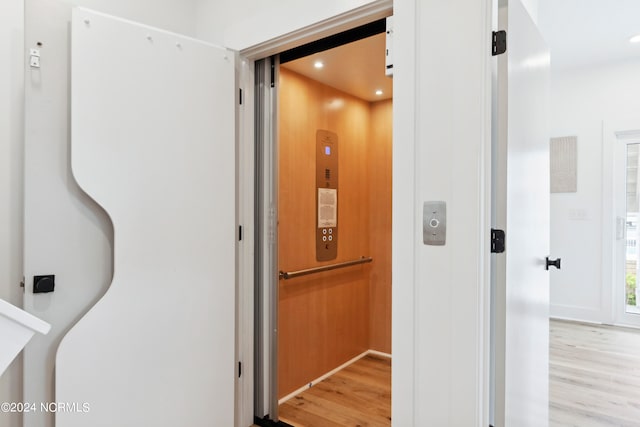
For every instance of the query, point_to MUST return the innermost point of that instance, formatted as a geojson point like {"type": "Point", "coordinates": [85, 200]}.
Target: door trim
{"type": "Point", "coordinates": [247, 156]}
{"type": "Point", "coordinates": [375, 10]}
{"type": "Point", "coordinates": [407, 251]}
{"type": "Point", "coordinates": [611, 307]}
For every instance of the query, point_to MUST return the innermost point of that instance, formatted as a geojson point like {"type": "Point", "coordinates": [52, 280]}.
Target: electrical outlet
{"type": "Point", "coordinates": [35, 62]}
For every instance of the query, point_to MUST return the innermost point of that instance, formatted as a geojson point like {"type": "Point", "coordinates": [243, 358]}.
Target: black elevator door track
{"type": "Point", "coordinates": [345, 37]}
{"type": "Point", "coordinates": [266, 422]}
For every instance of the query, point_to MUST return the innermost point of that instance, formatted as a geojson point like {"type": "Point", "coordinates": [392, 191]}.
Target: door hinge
{"type": "Point", "coordinates": [273, 71]}
{"type": "Point", "coordinates": [240, 96]}
{"type": "Point", "coordinates": [240, 232]}
{"type": "Point", "coordinates": [497, 241]}
{"type": "Point", "coordinates": [239, 369]}
{"type": "Point", "coordinates": [499, 43]}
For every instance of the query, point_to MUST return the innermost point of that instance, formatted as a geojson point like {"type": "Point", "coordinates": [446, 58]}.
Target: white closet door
{"type": "Point", "coordinates": [153, 144]}
{"type": "Point", "coordinates": [523, 200]}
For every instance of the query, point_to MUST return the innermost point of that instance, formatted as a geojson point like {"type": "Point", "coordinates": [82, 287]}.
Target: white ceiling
{"type": "Point", "coordinates": [579, 33]}
{"type": "Point", "coordinates": [356, 68]}
{"type": "Point", "coordinates": [586, 32]}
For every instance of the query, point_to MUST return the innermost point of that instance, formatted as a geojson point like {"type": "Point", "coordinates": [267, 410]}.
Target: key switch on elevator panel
{"type": "Point", "coordinates": [434, 223]}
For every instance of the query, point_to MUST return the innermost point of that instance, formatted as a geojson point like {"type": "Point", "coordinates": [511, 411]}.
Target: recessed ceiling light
{"type": "Point", "coordinates": [635, 39]}
{"type": "Point", "coordinates": [318, 64]}
{"type": "Point", "coordinates": [379, 92]}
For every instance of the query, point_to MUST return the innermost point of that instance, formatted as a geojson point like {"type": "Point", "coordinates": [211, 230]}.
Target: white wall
{"type": "Point", "coordinates": [530, 5]}
{"type": "Point", "coordinates": [11, 170]}
{"type": "Point", "coordinates": [241, 24]}
{"type": "Point", "coordinates": [581, 99]}
{"type": "Point", "coordinates": [532, 8]}
{"type": "Point", "coordinates": [66, 233]}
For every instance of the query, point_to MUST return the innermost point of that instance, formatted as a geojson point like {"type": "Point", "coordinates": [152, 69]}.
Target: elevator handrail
{"type": "Point", "coordinates": [293, 274]}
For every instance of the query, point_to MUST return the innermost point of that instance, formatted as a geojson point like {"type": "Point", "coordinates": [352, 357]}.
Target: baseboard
{"type": "Point", "coordinates": [379, 353]}
{"type": "Point", "coordinates": [576, 313]}
{"type": "Point", "coordinates": [572, 320]}
{"type": "Point", "coordinates": [333, 371]}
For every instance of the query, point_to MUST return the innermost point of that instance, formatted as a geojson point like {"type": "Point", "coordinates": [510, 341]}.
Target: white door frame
{"type": "Point", "coordinates": [246, 188]}
{"type": "Point", "coordinates": [616, 135]}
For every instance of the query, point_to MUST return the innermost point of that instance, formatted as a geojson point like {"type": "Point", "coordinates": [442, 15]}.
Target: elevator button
{"type": "Point", "coordinates": [331, 231]}
{"type": "Point", "coordinates": [324, 238]}
{"type": "Point", "coordinates": [324, 231]}
{"type": "Point", "coordinates": [434, 223]}
{"type": "Point", "coordinates": [330, 238]}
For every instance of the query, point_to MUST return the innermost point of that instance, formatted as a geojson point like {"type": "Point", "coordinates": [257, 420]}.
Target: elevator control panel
{"type": "Point", "coordinates": [326, 195]}
{"type": "Point", "coordinates": [434, 223]}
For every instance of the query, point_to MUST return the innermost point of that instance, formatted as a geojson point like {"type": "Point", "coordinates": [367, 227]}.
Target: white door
{"type": "Point", "coordinates": [521, 194]}
{"type": "Point", "coordinates": [626, 197]}
{"type": "Point", "coordinates": [152, 142]}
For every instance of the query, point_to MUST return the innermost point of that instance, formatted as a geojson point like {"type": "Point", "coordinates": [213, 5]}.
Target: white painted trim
{"type": "Point", "coordinates": [405, 194]}
{"type": "Point", "coordinates": [376, 10]}
{"type": "Point", "coordinates": [333, 371]}
{"type": "Point", "coordinates": [21, 317]}
{"type": "Point", "coordinates": [246, 166]}
{"type": "Point", "coordinates": [621, 140]}
{"type": "Point", "coordinates": [245, 292]}
{"type": "Point", "coordinates": [574, 319]}
{"type": "Point", "coordinates": [587, 322]}
{"type": "Point", "coordinates": [485, 208]}
{"type": "Point", "coordinates": [624, 324]}
{"type": "Point", "coordinates": [569, 312]}
{"type": "Point", "coordinates": [612, 312]}
{"type": "Point", "coordinates": [608, 234]}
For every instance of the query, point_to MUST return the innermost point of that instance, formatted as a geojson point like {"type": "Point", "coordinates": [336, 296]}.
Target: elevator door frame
{"type": "Point", "coordinates": [264, 94]}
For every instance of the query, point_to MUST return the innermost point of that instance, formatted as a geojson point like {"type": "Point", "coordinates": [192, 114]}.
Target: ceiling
{"type": "Point", "coordinates": [357, 68]}
{"type": "Point", "coordinates": [579, 33]}
{"type": "Point", "coordinates": [587, 32]}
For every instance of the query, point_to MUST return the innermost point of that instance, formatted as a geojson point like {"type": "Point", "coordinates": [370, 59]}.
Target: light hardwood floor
{"type": "Point", "coordinates": [594, 375]}
{"type": "Point", "coordinates": [358, 395]}
{"type": "Point", "coordinates": [594, 381]}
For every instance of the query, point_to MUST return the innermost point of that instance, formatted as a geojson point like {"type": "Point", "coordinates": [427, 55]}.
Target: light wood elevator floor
{"type": "Point", "coordinates": [358, 395]}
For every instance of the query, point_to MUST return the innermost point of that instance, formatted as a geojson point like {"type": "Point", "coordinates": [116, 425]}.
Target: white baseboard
{"type": "Point", "coordinates": [328, 374]}
{"type": "Point", "coordinates": [576, 313]}
{"type": "Point", "coordinates": [574, 320]}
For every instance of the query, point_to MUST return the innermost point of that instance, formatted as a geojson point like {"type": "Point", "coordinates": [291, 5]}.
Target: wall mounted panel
{"type": "Point", "coordinates": [323, 318]}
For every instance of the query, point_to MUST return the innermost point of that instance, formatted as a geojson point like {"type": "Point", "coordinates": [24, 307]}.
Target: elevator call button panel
{"type": "Point", "coordinates": [326, 195]}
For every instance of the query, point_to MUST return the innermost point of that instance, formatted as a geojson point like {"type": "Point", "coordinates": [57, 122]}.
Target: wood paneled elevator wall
{"type": "Point", "coordinates": [329, 318]}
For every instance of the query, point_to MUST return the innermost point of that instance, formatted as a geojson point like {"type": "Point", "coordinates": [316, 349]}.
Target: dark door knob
{"type": "Point", "coordinates": [553, 262]}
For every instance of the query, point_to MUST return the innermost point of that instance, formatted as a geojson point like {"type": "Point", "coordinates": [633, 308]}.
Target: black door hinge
{"type": "Point", "coordinates": [497, 241]}
{"type": "Point", "coordinates": [240, 96]}
{"type": "Point", "coordinates": [273, 71]}
{"type": "Point", "coordinates": [239, 369]}
{"type": "Point", "coordinates": [240, 232]}
{"type": "Point", "coordinates": [499, 43]}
